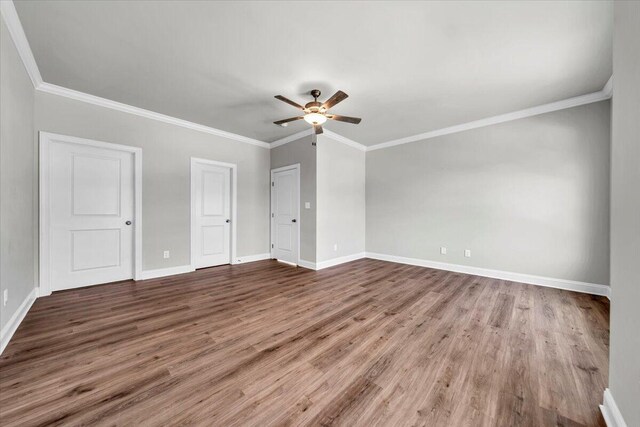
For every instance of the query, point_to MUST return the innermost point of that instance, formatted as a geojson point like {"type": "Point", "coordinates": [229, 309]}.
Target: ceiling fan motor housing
{"type": "Point", "coordinates": [313, 106]}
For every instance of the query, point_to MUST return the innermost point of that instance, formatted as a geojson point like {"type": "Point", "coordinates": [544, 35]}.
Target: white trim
{"type": "Point", "coordinates": [17, 318]}
{"type": "Point", "coordinates": [234, 206]}
{"type": "Point", "coordinates": [608, 87]}
{"type": "Point", "coordinates": [107, 103]}
{"type": "Point", "coordinates": [601, 95]}
{"type": "Point", "coordinates": [295, 166]}
{"type": "Point", "coordinates": [22, 45]}
{"type": "Point", "coordinates": [570, 285]}
{"type": "Point", "coordinates": [344, 140]}
{"type": "Point", "coordinates": [306, 264]}
{"type": "Point", "coordinates": [328, 133]}
{"type": "Point", "coordinates": [337, 261]}
{"type": "Point", "coordinates": [291, 138]}
{"type": "Point", "coordinates": [8, 10]}
{"type": "Point", "coordinates": [44, 203]}
{"type": "Point", "coordinates": [610, 412]}
{"type": "Point", "coordinates": [252, 258]}
{"type": "Point", "coordinates": [164, 272]}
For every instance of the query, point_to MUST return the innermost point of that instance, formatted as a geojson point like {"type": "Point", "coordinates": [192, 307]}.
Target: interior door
{"type": "Point", "coordinates": [211, 214]}
{"type": "Point", "coordinates": [91, 215]}
{"type": "Point", "coordinates": [284, 212]}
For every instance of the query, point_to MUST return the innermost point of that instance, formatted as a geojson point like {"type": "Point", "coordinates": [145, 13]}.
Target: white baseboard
{"type": "Point", "coordinates": [330, 262]}
{"type": "Point", "coordinates": [307, 264]}
{"type": "Point", "coordinates": [17, 318]}
{"type": "Point", "coordinates": [252, 258]}
{"type": "Point", "coordinates": [610, 411]}
{"type": "Point", "coordinates": [163, 272]}
{"type": "Point", "coordinates": [181, 269]}
{"type": "Point", "coordinates": [337, 261]}
{"type": "Point", "coordinates": [570, 285]}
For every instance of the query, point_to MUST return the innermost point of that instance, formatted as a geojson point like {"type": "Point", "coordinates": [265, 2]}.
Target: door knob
{"type": "Point", "coordinates": [228, 221]}
{"type": "Point", "coordinates": [128, 222]}
{"type": "Point", "coordinates": [293, 220]}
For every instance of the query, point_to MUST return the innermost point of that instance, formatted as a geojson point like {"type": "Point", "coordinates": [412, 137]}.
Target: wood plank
{"type": "Point", "coordinates": [368, 343]}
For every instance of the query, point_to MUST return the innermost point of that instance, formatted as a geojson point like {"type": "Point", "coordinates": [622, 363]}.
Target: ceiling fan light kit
{"type": "Point", "coordinates": [315, 112]}
{"type": "Point", "coordinates": [315, 118]}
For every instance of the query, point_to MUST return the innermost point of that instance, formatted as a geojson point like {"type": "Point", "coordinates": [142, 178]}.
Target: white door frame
{"type": "Point", "coordinates": [272, 219]}
{"type": "Point", "coordinates": [234, 204]}
{"type": "Point", "coordinates": [46, 139]}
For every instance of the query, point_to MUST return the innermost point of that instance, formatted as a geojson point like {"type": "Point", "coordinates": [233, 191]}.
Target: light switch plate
{"type": "Point", "coordinates": [307, 205]}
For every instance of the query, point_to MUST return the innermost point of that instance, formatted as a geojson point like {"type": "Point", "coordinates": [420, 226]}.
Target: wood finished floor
{"type": "Point", "coordinates": [362, 344]}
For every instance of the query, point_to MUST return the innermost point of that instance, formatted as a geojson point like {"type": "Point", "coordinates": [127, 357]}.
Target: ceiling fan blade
{"type": "Point", "coordinates": [318, 129]}
{"type": "Point", "coordinates": [337, 97]}
{"type": "Point", "coordinates": [354, 120]}
{"type": "Point", "coordinates": [288, 101]}
{"type": "Point", "coordinates": [291, 119]}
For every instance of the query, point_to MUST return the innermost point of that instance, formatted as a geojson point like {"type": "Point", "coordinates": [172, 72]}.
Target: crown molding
{"type": "Point", "coordinates": [114, 105]}
{"type": "Point", "coordinates": [8, 10]}
{"type": "Point", "coordinates": [339, 138]}
{"type": "Point", "coordinates": [601, 95]}
{"type": "Point", "coordinates": [608, 87]}
{"type": "Point", "coordinates": [327, 133]}
{"type": "Point", "coordinates": [24, 50]}
{"type": "Point", "coordinates": [291, 138]}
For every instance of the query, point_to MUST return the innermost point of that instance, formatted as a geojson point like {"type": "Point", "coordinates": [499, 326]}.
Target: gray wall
{"type": "Point", "coordinates": [166, 153]}
{"type": "Point", "coordinates": [17, 179]}
{"type": "Point", "coordinates": [341, 199]}
{"type": "Point", "coordinates": [529, 196]}
{"type": "Point", "coordinates": [301, 151]}
{"type": "Point", "coordinates": [624, 369]}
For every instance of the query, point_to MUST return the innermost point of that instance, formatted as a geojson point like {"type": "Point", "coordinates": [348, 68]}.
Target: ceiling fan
{"type": "Point", "coordinates": [315, 113]}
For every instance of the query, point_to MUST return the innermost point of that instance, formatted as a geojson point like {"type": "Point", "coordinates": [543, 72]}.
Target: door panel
{"type": "Point", "coordinates": [212, 214]}
{"type": "Point", "coordinates": [213, 240]}
{"type": "Point", "coordinates": [96, 185]}
{"type": "Point", "coordinates": [85, 254]}
{"type": "Point", "coordinates": [284, 208]}
{"type": "Point", "coordinates": [213, 192]}
{"type": "Point", "coordinates": [91, 199]}
{"type": "Point", "coordinates": [285, 237]}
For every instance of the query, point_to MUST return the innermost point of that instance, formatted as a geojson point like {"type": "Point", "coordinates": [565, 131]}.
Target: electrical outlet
{"type": "Point", "coordinates": [335, 247]}
{"type": "Point", "coordinates": [166, 254]}
{"type": "Point", "coordinates": [467, 253]}
{"type": "Point", "coordinates": [443, 250]}
{"type": "Point", "coordinates": [307, 205]}
{"type": "Point", "coordinates": [5, 297]}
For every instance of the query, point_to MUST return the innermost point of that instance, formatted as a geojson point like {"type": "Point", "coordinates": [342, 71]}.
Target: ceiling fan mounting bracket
{"type": "Point", "coordinates": [315, 93]}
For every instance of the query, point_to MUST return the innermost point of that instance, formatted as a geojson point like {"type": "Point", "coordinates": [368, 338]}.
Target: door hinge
{"type": "Point", "coordinates": [272, 246]}
{"type": "Point", "coordinates": [273, 184]}
{"type": "Point", "coordinates": [273, 215]}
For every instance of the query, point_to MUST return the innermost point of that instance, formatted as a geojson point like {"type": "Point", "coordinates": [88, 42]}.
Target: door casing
{"type": "Point", "coordinates": [295, 166]}
{"type": "Point", "coordinates": [234, 203]}
{"type": "Point", "coordinates": [46, 139]}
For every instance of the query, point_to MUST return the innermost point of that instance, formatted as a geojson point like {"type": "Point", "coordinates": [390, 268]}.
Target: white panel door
{"type": "Point", "coordinates": [91, 215]}
{"type": "Point", "coordinates": [211, 214]}
{"type": "Point", "coordinates": [284, 209]}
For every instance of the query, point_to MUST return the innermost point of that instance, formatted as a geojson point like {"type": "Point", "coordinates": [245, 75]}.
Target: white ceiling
{"type": "Point", "coordinates": [409, 67]}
